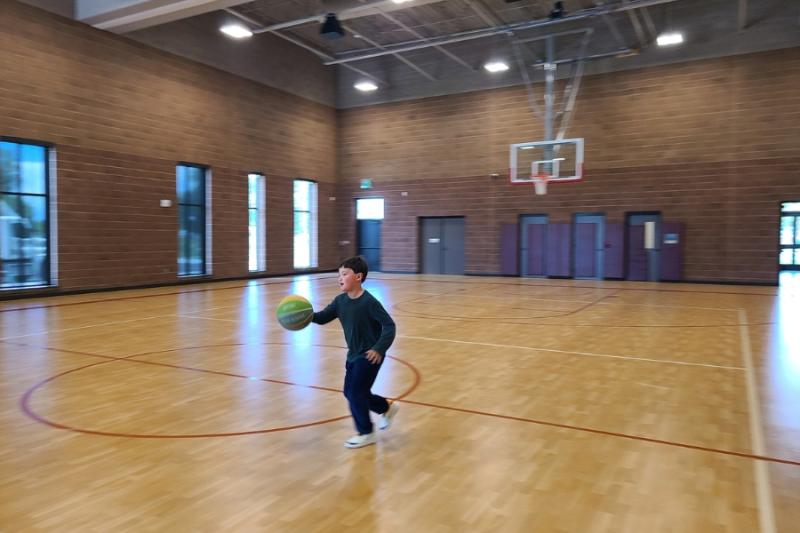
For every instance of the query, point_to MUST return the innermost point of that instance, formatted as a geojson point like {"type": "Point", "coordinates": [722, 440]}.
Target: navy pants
{"type": "Point", "coordinates": [358, 379]}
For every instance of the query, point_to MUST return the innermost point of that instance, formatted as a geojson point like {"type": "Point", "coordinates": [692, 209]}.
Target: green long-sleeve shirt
{"type": "Point", "coordinates": [366, 324]}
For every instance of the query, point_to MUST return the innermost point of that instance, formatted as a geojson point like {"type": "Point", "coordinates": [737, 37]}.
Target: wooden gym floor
{"type": "Point", "coordinates": [527, 405]}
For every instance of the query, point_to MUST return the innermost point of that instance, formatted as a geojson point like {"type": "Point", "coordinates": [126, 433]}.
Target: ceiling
{"type": "Point", "coordinates": [430, 47]}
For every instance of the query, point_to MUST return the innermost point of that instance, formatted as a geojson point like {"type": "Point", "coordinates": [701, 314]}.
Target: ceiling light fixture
{"type": "Point", "coordinates": [237, 31]}
{"type": "Point", "coordinates": [667, 39]}
{"type": "Point", "coordinates": [365, 86]}
{"type": "Point", "coordinates": [496, 66]}
{"type": "Point", "coordinates": [331, 29]}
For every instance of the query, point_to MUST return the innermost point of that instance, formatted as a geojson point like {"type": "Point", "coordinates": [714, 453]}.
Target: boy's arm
{"type": "Point", "coordinates": [326, 315]}
{"type": "Point", "coordinates": [387, 328]}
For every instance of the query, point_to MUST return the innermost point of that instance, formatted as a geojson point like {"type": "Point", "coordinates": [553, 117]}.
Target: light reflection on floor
{"type": "Point", "coordinates": [785, 363]}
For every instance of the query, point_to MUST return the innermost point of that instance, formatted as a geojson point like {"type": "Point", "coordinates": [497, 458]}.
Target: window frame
{"type": "Point", "coordinates": [204, 218]}
{"type": "Point", "coordinates": [261, 223]}
{"type": "Point", "coordinates": [49, 216]}
{"type": "Point", "coordinates": [313, 212]}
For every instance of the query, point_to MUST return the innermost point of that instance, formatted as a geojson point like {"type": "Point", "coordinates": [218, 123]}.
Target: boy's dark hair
{"type": "Point", "coordinates": [357, 264]}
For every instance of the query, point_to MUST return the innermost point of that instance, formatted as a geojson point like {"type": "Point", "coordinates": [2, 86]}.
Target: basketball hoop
{"type": "Point", "coordinates": [540, 183]}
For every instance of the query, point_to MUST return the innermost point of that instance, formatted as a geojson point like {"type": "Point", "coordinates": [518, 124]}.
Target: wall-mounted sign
{"type": "Point", "coordinates": [366, 184]}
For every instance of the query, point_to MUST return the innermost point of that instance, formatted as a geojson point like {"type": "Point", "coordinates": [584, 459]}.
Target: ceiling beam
{"type": "Point", "coordinates": [488, 32]}
{"type": "Point", "coordinates": [359, 10]}
{"type": "Point", "coordinates": [302, 44]}
{"type": "Point", "coordinates": [379, 46]}
{"type": "Point", "coordinates": [121, 16]}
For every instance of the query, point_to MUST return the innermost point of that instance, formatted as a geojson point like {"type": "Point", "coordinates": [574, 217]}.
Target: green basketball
{"type": "Point", "coordinates": [294, 312]}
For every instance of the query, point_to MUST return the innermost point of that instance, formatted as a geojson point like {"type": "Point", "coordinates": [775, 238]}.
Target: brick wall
{"type": "Point", "coordinates": [714, 144]}
{"type": "Point", "coordinates": [121, 116]}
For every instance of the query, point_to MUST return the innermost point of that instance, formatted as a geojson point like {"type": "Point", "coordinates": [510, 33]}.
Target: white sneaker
{"type": "Point", "coordinates": [385, 421]}
{"type": "Point", "coordinates": [359, 441]}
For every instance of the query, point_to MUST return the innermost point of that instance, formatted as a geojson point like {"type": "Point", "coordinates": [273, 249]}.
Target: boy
{"type": "Point", "coordinates": [369, 331]}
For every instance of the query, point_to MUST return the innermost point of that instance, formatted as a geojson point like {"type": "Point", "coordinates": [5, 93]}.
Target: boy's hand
{"type": "Point", "coordinates": [374, 357]}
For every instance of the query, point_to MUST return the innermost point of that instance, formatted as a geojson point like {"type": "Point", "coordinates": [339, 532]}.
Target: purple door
{"type": "Point", "coordinates": [614, 255]}
{"type": "Point", "coordinates": [637, 255]}
{"type": "Point", "coordinates": [509, 262]}
{"type": "Point", "coordinates": [558, 245]}
{"type": "Point", "coordinates": [536, 241]}
{"type": "Point", "coordinates": [585, 255]}
{"type": "Point", "coordinates": [671, 251]}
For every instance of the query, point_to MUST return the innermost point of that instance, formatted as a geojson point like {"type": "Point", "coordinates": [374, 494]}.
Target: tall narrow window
{"type": "Point", "coordinates": [305, 224]}
{"type": "Point", "coordinates": [257, 222]}
{"type": "Point", "coordinates": [24, 215]}
{"type": "Point", "coordinates": [191, 185]}
{"type": "Point", "coordinates": [789, 258]}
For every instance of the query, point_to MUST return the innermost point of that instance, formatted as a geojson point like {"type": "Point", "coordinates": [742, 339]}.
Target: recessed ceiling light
{"type": "Point", "coordinates": [365, 86]}
{"type": "Point", "coordinates": [666, 39]}
{"type": "Point", "coordinates": [237, 31]}
{"type": "Point", "coordinates": [496, 66]}
{"type": "Point", "coordinates": [401, 1]}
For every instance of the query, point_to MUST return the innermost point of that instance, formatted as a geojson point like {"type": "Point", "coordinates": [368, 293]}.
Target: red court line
{"type": "Point", "coordinates": [608, 433]}
{"type": "Point", "coordinates": [28, 410]}
{"type": "Point", "coordinates": [24, 404]}
{"type": "Point", "coordinates": [497, 319]}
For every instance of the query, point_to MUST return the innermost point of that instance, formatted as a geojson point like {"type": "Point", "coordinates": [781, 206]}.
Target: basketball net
{"type": "Point", "coordinates": [540, 183]}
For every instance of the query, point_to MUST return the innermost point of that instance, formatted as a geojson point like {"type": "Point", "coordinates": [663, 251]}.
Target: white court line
{"type": "Point", "coordinates": [49, 331]}
{"type": "Point", "coordinates": [766, 512]}
{"type": "Point", "coordinates": [587, 354]}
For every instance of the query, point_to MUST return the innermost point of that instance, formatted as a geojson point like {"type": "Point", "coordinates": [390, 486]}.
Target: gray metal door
{"type": "Point", "coordinates": [431, 246]}
{"type": "Point", "coordinates": [442, 245]}
{"type": "Point", "coordinates": [453, 245]}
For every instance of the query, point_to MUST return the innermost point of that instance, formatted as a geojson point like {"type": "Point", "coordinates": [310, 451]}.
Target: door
{"type": "Point", "coordinates": [644, 246]}
{"type": "Point", "coordinates": [453, 246]}
{"type": "Point", "coordinates": [533, 239]}
{"type": "Point", "coordinates": [589, 246]}
{"type": "Point", "coordinates": [442, 245]}
{"type": "Point", "coordinates": [369, 242]}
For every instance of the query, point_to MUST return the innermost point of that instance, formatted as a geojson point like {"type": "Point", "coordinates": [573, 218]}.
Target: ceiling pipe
{"type": "Point", "coordinates": [357, 11]}
{"type": "Point", "coordinates": [322, 55]}
{"type": "Point", "coordinates": [489, 32]}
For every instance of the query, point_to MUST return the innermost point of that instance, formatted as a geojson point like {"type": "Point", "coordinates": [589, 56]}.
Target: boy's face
{"type": "Point", "coordinates": [349, 280]}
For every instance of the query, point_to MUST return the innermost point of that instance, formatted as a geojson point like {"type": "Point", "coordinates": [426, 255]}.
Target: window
{"type": "Point", "coordinates": [257, 222]}
{"type": "Point", "coordinates": [24, 215]}
{"type": "Point", "coordinates": [789, 258]}
{"type": "Point", "coordinates": [305, 224]}
{"type": "Point", "coordinates": [369, 208]}
{"type": "Point", "coordinates": [191, 185]}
